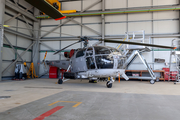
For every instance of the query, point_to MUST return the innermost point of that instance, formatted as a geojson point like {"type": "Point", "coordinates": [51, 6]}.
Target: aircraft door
{"type": "Point", "coordinates": [90, 62]}
{"type": "Point", "coordinates": [79, 62]}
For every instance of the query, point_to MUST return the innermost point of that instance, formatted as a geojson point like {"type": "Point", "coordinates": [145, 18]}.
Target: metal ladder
{"type": "Point", "coordinates": [131, 54]}
{"type": "Point", "coordinates": [176, 55]}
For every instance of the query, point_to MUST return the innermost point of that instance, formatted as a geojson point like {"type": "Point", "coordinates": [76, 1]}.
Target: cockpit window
{"type": "Point", "coordinates": [90, 63]}
{"type": "Point", "coordinates": [114, 50]}
{"type": "Point", "coordinates": [104, 62]}
{"type": "Point", "coordinates": [89, 52]}
{"type": "Point", "coordinates": [102, 50]}
{"type": "Point", "coordinates": [80, 53]}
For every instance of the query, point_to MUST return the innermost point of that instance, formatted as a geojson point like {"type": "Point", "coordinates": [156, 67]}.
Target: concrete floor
{"type": "Point", "coordinates": [40, 99]}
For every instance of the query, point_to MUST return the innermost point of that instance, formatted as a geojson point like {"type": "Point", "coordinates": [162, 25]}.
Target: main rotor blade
{"type": "Point", "coordinates": [66, 47]}
{"type": "Point", "coordinates": [136, 43]}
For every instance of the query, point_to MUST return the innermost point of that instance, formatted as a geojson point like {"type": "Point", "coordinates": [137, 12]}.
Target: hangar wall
{"type": "Point", "coordinates": [19, 38]}
{"type": "Point", "coordinates": [154, 23]}
{"type": "Point", "coordinates": [55, 35]}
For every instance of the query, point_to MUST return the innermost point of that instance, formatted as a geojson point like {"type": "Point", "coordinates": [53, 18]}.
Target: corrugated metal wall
{"type": "Point", "coordinates": [154, 23]}
{"type": "Point", "coordinates": [20, 43]}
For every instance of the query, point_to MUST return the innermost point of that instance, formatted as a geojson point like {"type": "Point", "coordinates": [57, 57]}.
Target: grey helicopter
{"type": "Point", "coordinates": [94, 62]}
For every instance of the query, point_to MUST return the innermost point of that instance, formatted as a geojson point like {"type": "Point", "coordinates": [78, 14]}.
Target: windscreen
{"type": "Point", "coordinates": [103, 57]}
{"type": "Point", "coordinates": [104, 62]}
{"type": "Point", "coordinates": [101, 50]}
{"type": "Point", "coordinates": [90, 63]}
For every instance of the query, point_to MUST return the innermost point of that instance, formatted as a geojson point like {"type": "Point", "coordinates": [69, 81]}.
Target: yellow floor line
{"type": "Point", "coordinates": [77, 103]}
{"type": "Point", "coordinates": [53, 103]}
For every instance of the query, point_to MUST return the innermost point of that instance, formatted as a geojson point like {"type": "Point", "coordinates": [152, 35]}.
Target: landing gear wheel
{"type": "Point", "coordinates": [108, 85]}
{"type": "Point", "coordinates": [152, 81]}
{"type": "Point", "coordinates": [60, 81]}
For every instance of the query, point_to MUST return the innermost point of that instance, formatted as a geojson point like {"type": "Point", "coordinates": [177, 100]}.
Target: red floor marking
{"type": "Point", "coordinates": [48, 113]}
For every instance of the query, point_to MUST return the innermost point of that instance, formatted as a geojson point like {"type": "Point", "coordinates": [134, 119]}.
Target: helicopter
{"type": "Point", "coordinates": [94, 62]}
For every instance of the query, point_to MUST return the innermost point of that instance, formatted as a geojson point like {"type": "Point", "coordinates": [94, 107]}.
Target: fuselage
{"type": "Point", "coordinates": [96, 61]}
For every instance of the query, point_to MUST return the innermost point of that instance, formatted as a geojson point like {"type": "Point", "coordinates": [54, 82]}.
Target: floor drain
{"type": "Point", "coordinates": [4, 97]}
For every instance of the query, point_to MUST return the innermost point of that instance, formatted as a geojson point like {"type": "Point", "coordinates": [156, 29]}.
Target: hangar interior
{"type": "Point", "coordinates": [26, 36]}
{"type": "Point", "coordinates": [160, 26]}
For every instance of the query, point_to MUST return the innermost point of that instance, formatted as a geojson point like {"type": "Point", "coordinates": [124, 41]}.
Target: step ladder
{"type": "Point", "coordinates": [176, 55]}
{"type": "Point", "coordinates": [130, 59]}
{"type": "Point", "coordinates": [130, 52]}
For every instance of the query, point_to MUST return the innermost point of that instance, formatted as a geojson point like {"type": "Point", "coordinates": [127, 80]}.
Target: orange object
{"type": "Point", "coordinates": [67, 11]}
{"type": "Point", "coordinates": [119, 78]}
{"type": "Point", "coordinates": [59, 7]}
{"type": "Point", "coordinates": [55, 1]}
{"type": "Point", "coordinates": [31, 72]}
{"type": "Point", "coordinates": [45, 55]}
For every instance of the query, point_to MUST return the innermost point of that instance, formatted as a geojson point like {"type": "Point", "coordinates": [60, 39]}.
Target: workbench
{"type": "Point", "coordinates": [143, 71]}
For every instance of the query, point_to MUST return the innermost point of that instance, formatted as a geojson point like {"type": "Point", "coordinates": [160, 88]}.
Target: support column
{"type": "Point", "coordinates": [2, 9]}
{"type": "Point", "coordinates": [36, 46]}
{"type": "Point", "coordinates": [152, 39]}
{"type": "Point", "coordinates": [127, 23]}
{"type": "Point", "coordinates": [103, 22]}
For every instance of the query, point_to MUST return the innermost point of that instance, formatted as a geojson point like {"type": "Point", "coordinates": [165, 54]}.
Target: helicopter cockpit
{"type": "Point", "coordinates": [101, 59]}
{"type": "Point", "coordinates": [96, 57]}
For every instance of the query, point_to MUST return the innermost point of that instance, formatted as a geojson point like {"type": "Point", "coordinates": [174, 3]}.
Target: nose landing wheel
{"type": "Point", "coordinates": [60, 81]}
{"type": "Point", "coordinates": [108, 84]}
